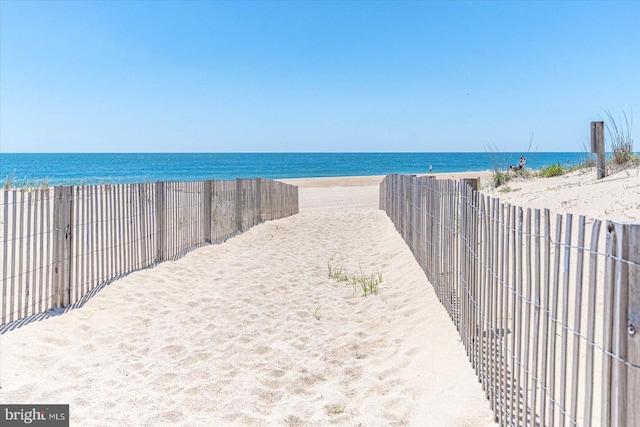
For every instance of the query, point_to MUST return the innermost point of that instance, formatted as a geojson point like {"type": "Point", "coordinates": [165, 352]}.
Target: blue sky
{"type": "Point", "coordinates": [151, 76]}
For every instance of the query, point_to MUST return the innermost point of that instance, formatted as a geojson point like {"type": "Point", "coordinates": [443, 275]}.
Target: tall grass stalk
{"type": "Point", "coordinates": [9, 181]}
{"type": "Point", "coordinates": [619, 132]}
{"type": "Point", "coordinates": [500, 164]}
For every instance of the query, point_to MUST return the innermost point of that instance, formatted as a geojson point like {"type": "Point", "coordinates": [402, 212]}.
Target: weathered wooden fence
{"type": "Point", "coordinates": [547, 311]}
{"type": "Point", "coordinates": [58, 245]}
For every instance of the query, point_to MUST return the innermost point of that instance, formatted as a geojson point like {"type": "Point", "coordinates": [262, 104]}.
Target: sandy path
{"type": "Point", "coordinates": [226, 335]}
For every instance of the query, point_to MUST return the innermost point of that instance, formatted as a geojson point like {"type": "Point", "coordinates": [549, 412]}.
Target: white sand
{"type": "Point", "coordinates": [226, 335]}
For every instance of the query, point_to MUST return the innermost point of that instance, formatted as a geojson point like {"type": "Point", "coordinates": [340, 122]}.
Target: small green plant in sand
{"type": "Point", "coordinates": [368, 283]}
{"type": "Point", "coordinates": [316, 312]}
{"type": "Point", "coordinates": [552, 170]}
{"type": "Point", "coordinates": [336, 410]}
{"type": "Point", "coordinates": [335, 272]}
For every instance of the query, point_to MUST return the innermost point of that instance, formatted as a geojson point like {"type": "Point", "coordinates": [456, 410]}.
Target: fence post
{"type": "Point", "coordinates": [206, 221]}
{"type": "Point", "coordinates": [239, 204]}
{"type": "Point", "coordinates": [62, 221]}
{"type": "Point", "coordinates": [471, 182]}
{"type": "Point", "coordinates": [597, 146]}
{"type": "Point", "coordinates": [160, 221]}
{"type": "Point", "coordinates": [622, 287]}
{"type": "Point", "coordinates": [259, 200]}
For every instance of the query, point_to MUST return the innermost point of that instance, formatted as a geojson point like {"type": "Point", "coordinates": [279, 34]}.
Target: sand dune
{"type": "Point", "coordinates": [227, 335]}
{"type": "Point", "coordinates": [615, 197]}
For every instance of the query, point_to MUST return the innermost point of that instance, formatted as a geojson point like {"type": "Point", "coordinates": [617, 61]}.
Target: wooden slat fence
{"type": "Point", "coordinates": [547, 306]}
{"type": "Point", "coordinates": [59, 245]}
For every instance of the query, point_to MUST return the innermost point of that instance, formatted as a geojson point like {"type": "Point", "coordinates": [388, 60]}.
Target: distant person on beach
{"type": "Point", "coordinates": [520, 166]}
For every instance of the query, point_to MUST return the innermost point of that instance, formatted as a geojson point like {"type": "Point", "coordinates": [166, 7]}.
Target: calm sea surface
{"type": "Point", "coordinates": [117, 168]}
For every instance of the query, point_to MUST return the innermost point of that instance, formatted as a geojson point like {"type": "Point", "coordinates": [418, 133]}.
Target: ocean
{"type": "Point", "coordinates": [120, 168]}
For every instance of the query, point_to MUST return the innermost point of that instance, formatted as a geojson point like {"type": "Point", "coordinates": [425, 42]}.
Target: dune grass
{"type": "Point", "coordinates": [367, 283]}
{"type": "Point", "coordinates": [25, 185]}
{"type": "Point", "coordinates": [619, 132]}
{"type": "Point", "coordinates": [555, 169]}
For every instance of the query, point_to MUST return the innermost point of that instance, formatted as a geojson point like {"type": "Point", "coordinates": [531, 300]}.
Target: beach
{"type": "Point", "coordinates": [254, 332]}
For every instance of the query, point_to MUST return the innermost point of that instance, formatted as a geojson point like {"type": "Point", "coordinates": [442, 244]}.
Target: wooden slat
{"type": "Point", "coordinates": [68, 249]}
{"type": "Point", "coordinates": [99, 234]}
{"type": "Point", "coordinates": [121, 247]}
{"type": "Point", "coordinates": [13, 238]}
{"type": "Point", "coordinates": [500, 317]}
{"type": "Point", "coordinates": [5, 254]}
{"type": "Point", "coordinates": [82, 239]}
{"type": "Point", "coordinates": [91, 241]}
{"type": "Point", "coordinates": [40, 231]}
{"type": "Point", "coordinates": [160, 220]}
{"type": "Point", "coordinates": [565, 317]}
{"type": "Point", "coordinates": [591, 322]}
{"type": "Point", "coordinates": [49, 253]}
{"type": "Point", "coordinates": [515, 393]}
{"type": "Point", "coordinates": [631, 330]}
{"type": "Point", "coordinates": [554, 316]}
{"type": "Point", "coordinates": [111, 248]}
{"type": "Point", "coordinates": [19, 239]}
{"type": "Point", "coordinates": [506, 293]}
{"type": "Point", "coordinates": [577, 311]}
{"type": "Point", "coordinates": [142, 209]}
{"type": "Point", "coordinates": [27, 270]}
{"type": "Point", "coordinates": [76, 233]}
{"type": "Point", "coordinates": [493, 240]}
{"type": "Point", "coordinates": [35, 240]}
{"type": "Point", "coordinates": [527, 321]}
{"type": "Point", "coordinates": [536, 315]}
{"type": "Point", "coordinates": [522, 414]}
{"type": "Point", "coordinates": [484, 333]}
{"type": "Point", "coordinates": [546, 304]}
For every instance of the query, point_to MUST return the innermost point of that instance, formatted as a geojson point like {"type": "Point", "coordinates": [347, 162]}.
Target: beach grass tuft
{"type": "Point", "coordinates": [368, 283]}
{"type": "Point", "coordinates": [26, 185]}
{"type": "Point", "coordinates": [336, 410]}
{"type": "Point", "coordinates": [619, 132]}
{"type": "Point", "coordinates": [500, 163]}
{"type": "Point", "coordinates": [8, 182]}
{"type": "Point", "coordinates": [499, 178]}
{"type": "Point", "coordinates": [555, 169]}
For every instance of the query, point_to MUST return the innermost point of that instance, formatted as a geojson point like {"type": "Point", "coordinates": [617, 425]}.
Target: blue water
{"type": "Point", "coordinates": [117, 168]}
